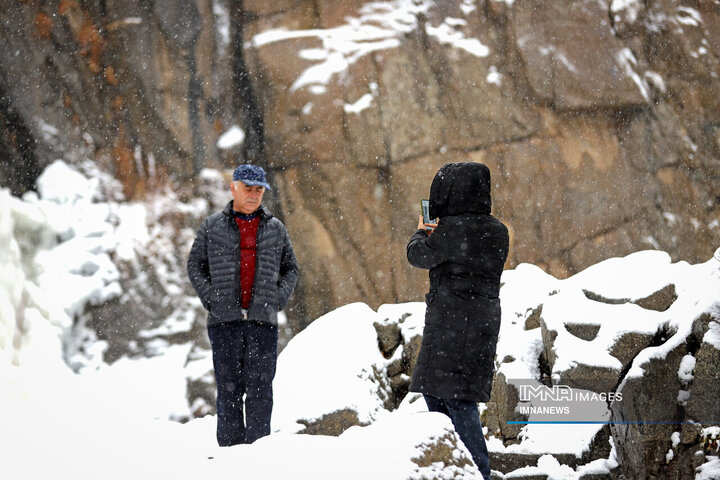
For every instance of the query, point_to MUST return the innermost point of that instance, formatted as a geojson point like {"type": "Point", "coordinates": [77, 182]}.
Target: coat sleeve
{"type": "Point", "coordinates": [423, 250]}
{"type": "Point", "coordinates": [288, 272]}
{"type": "Point", "coordinates": [198, 266]}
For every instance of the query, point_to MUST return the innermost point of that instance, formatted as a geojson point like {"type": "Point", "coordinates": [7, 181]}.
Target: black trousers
{"type": "Point", "coordinates": [244, 357]}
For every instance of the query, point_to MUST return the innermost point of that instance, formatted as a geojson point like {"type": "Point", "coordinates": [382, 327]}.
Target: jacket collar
{"type": "Point", "coordinates": [265, 214]}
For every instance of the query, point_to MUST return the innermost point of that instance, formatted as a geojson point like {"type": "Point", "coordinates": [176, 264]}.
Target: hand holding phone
{"type": "Point", "coordinates": [425, 221]}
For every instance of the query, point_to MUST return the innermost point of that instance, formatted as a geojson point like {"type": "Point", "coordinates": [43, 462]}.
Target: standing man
{"type": "Point", "coordinates": [243, 268]}
{"type": "Point", "coordinates": [465, 255]}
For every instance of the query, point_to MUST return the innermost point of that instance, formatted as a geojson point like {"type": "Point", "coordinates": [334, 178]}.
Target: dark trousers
{"type": "Point", "coordinates": [466, 419]}
{"type": "Point", "coordinates": [244, 357]}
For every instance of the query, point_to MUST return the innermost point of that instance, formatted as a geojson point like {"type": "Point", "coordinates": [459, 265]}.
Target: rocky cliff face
{"type": "Point", "coordinates": [599, 120]}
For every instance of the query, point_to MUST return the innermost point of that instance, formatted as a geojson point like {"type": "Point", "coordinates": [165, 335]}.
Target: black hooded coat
{"type": "Point", "coordinates": [465, 255]}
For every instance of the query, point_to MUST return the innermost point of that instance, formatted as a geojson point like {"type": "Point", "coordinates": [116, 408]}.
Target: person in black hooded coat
{"type": "Point", "coordinates": [465, 254]}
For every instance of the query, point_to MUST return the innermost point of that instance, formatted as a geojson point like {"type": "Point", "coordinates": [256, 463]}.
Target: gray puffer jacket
{"type": "Point", "coordinates": [214, 268]}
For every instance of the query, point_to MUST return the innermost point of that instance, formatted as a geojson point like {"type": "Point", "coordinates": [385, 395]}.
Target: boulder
{"type": "Point", "coordinates": [703, 405]}
{"type": "Point", "coordinates": [651, 398]}
{"type": "Point", "coordinates": [629, 344]}
{"type": "Point", "coordinates": [582, 330]}
{"type": "Point", "coordinates": [591, 350]}
{"type": "Point", "coordinates": [333, 424]}
{"type": "Point", "coordinates": [401, 331]}
{"type": "Point", "coordinates": [501, 409]}
{"type": "Point", "coordinates": [533, 320]}
{"type": "Point", "coordinates": [589, 377]}
{"type": "Point", "coordinates": [658, 301]}
{"type": "Point", "coordinates": [443, 451]}
{"type": "Point", "coordinates": [574, 373]}
{"type": "Point", "coordinates": [389, 338]}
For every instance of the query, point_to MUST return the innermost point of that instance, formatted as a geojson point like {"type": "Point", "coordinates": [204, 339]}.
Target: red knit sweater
{"type": "Point", "coordinates": [248, 241]}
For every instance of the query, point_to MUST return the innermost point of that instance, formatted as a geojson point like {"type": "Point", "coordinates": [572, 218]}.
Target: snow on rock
{"type": "Point", "coordinates": [688, 16]}
{"type": "Point", "coordinates": [233, 137]}
{"type": "Point", "coordinates": [547, 465]}
{"type": "Point", "coordinates": [12, 279]}
{"type": "Point", "coordinates": [58, 244]}
{"type": "Point", "coordinates": [687, 365]}
{"type": "Point", "coordinates": [361, 104]}
{"type": "Point", "coordinates": [343, 346]}
{"type": "Point", "coordinates": [62, 184]}
{"type": "Point", "coordinates": [63, 247]}
{"type": "Point", "coordinates": [709, 470]}
{"type": "Point", "coordinates": [379, 26]}
{"type": "Point", "coordinates": [626, 10]}
{"type": "Point", "coordinates": [633, 277]}
{"type": "Point", "coordinates": [623, 318]}
{"type": "Point", "coordinates": [448, 34]}
{"type": "Point", "coordinates": [712, 336]}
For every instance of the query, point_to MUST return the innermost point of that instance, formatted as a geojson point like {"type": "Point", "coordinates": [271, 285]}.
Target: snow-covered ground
{"type": "Point", "coordinates": [115, 421]}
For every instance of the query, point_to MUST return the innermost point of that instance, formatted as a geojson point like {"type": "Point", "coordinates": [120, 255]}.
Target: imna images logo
{"type": "Point", "coordinates": [563, 393]}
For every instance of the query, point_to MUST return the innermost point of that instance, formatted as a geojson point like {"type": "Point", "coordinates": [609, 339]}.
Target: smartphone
{"type": "Point", "coordinates": [425, 208]}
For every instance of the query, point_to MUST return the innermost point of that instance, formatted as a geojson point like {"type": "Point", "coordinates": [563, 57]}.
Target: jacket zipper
{"type": "Point", "coordinates": [261, 224]}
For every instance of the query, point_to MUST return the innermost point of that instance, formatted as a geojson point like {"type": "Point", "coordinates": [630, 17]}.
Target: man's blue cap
{"type": "Point", "coordinates": [251, 175]}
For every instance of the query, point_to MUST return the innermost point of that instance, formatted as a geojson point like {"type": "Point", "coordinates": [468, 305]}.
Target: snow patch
{"type": "Point", "coordinates": [222, 25]}
{"type": "Point", "coordinates": [656, 80]}
{"type": "Point", "coordinates": [688, 16]}
{"type": "Point", "coordinates": [709, 470]}
{"type": "Point", "coordinates": [546, 465]}
{"type": "Point", "coordinates": [627, 61]}
{"type": "Point", "coordinates": [447, 33]}
{"type": "Point", "coordinates": [687, 366]}
{"type": "Point", "coordinates": [553, 51]}
{"type": "Point", "coordinates": [712, 336]}
{"type": "Point", "coordinates": [630, 8]}
{"type": "Point", "coordinates": [379, 26]}
{"type": "Point", "coordinates": [494, 76]}
{"type": "Point", "coordinates": [468, 6]}
{"type": "Point", "coordinates": [361, 104]}
{"type": "Point", "coordinates": [343, 345]}
{"type": "Point", "coordinates": [233, 137]}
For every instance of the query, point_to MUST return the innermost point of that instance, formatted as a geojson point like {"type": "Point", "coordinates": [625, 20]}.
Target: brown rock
{"type": "Point", "coordinates": [596, 476]}
{"type": "Point", "coordinates": [261, 7]}
{"type": "Point", "coordinates": [533, 320]}
{"type": "Point", "coordinates": [389, 337]}
{"type": "Point", "coordinates": [690, 433]}
{"type": "Point", "coordinates": [703, 405]}
{"type": "Point", "coordinates": [442, 451]}
{"type": "Point", "coordinates": [629, 344]}
{"type": "Point", "coordinates": [585, 331]}
{"type": "Point", "coordinates": [501, 409]}
{"type": "Point", "coordinates": [332, 424]}
{"type": "Point", "coordinates": [595, 379]}
{"type": "Point", "coordinates": [395, 368]}
{"type": "Point", "coordinates": [507, 462]}
{"type": "Point", "coordinates": [411, 350]}
{"type": "Point", "coordinates": [660, 300]}
{"type": "Point", "coordinates": [641, 447]}
{"type": "Point", "coordinates": [554, 39]}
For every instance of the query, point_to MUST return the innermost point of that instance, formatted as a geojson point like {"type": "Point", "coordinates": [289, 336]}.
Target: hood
{"type": "Point", "coordinates": [459, 188]}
